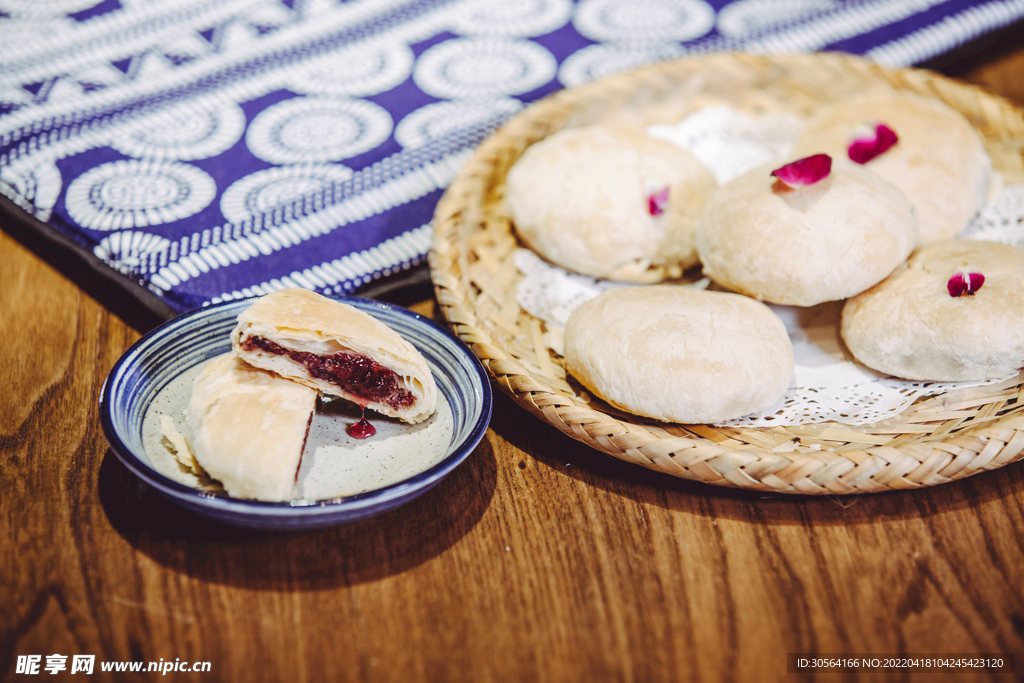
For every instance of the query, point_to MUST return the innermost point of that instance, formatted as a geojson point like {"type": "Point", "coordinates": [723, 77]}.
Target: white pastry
{"type": "Point", "coordinates": [939, 162]}
{"type": "Point", "coordinates": [679, 354]}
{"type": "Point", "coordinates": [247, 427]}
{"type": "Point", "coordinates": [337, 350]}
{"type": "Point", "coordinates": [910, 326]}
{"type": "Point", "coordinates": [824, 242]}
{"type": "Point", "coordinates": [609, 202]}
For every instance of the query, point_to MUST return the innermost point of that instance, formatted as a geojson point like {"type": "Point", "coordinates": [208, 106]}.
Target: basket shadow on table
{"type": "Point", "coordinates": [344, 555]}
{"type": "Point", "coordinates": [560, 453]}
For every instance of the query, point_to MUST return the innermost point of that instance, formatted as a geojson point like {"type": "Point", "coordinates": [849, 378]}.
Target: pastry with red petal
{"type": "Point", "coordinates": [806, 232]}
{"type": "Point", "coordinates": [919, 144]}
{"type": "Point", "coordinates": [953, 313]}
{"type": "Point", "coordinates": [609, 202]}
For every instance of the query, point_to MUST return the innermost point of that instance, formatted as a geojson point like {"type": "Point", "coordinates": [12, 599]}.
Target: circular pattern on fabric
{"type": "Point", "coordinates": [483, 67]}
{"type": "Point", "coordinates": [440, 119]}
{"type": "Point", "coordinates": [30, 9]}
{"type": "Point", "coordinates": [747, 17]}
{"type": "Point", "coordinates": [122, 250]}
{"type": "Point", "coordinates": [266, 190]}
{"type": "Point", "coordinates": [317, 128]}
{"type": "Point", "coordinates": [523, 19]}
{"type": "Point", "coordinates": [40, 185]}
{"type": "Point", "coordinates": [136, 193]}
{"type": "Point", "coordinates": [368, 70]}
{"type": "Point", "coordinates": [191, 130]}
{"type": "Point", "coordinates": [597, 61]}
{"type": "Point", "coordinates": [622, 20]}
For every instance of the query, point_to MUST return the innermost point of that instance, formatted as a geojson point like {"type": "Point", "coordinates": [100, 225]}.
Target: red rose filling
{"type": "Point", "coordinates": [353, 373]}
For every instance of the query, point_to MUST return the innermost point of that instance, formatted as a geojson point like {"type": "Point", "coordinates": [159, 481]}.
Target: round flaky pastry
{"type": "Point", "coordinates": [939, 160]}
{"type": "Point", "coordinates": [609, 202]}
{"type": "Point", "coordinates": [679, 354]}
{"type": "Point", "coordinates": [911, 326]}
{"type": "Point", "coordinates": [824, 242]}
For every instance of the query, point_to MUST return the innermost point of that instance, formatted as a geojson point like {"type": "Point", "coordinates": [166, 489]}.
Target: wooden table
{"type": "Point", "coordinates": [538, 559]}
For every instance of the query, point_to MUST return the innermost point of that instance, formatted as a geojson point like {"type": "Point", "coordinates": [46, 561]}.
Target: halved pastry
{"type": "Point", "coordinates": [337, 350]}
{"type": "Point", "coordinates": [247, 427]}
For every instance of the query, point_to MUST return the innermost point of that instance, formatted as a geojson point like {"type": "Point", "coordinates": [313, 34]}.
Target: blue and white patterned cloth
{"type": "Point", "coordinates": [216, 149]}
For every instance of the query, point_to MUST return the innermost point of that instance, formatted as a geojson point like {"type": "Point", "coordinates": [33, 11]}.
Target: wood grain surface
{"type": "Point", "coordinates": [538, 559]}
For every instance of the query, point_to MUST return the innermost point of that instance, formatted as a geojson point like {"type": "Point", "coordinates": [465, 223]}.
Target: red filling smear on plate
{"type": "Point", "coordinates": [865, 146]}
{"type": "Point", "coordinates": [361, 429]}
{"type": "Point", "coordinates": [964, 283]}
{"type": "Point", "coordinates": [657, 201]}
{"type": "Point", "coordinates": [804, 172]}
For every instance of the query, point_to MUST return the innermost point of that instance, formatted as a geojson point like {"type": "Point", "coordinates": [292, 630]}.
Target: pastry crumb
{"type": "Point", "coordinates": [181, 449]}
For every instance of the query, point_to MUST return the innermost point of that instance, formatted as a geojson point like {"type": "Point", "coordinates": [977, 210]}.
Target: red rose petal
{"type": "Point", "coordinates": [806, 171]}
{"type": "Point", "coordinates": [964, 283]}
{"type": "Point", "coordinates": [864, 148]}
{"type": "Point", "coordinates": [657, 202]}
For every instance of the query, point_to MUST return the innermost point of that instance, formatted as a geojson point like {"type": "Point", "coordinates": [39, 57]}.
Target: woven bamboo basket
{"type": "Point", "coordinates": [936, 440]}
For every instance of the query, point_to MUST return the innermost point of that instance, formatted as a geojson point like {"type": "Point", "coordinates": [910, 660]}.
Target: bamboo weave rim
{"type": "Point", "coordinates": [936, 440]}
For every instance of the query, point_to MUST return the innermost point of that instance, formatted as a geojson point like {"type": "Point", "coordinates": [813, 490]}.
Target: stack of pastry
{"type": "Point", "coordinates": [249, 413]}
{"type": "Point", "coordinates": [871, 180]}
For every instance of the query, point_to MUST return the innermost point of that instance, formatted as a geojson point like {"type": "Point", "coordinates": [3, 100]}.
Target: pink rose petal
{"type": "Point", "coordinates": [657, 202]}
{"type": "Point", "coordinates": [863, 148]}
{"type": "Point", "coordinates": [964, 283]}
{"type": "Point", "coordinates": [806, 171]}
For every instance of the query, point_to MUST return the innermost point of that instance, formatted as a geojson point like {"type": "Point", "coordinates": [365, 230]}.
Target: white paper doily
{"type": "Point", "coordinates": [1001, 220]}
{"type": "Point", "coordinates": [730, 143]}
{"type": "Point", "coordinates": [829, 385]}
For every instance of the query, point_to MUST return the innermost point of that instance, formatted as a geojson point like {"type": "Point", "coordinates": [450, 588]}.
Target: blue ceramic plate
{"type": "Point", "coordinates": [162, 358]}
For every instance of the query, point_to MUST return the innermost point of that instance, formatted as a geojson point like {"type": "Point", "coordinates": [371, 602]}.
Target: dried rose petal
{"type": "Point", "coordinates": [964, 283]}
{"type": "Point", "coordinates": [657, 202]}
{"type": "Point", "coordinates": [866, 146]}
{"type": "Point", "coordinates": [806, 171]}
